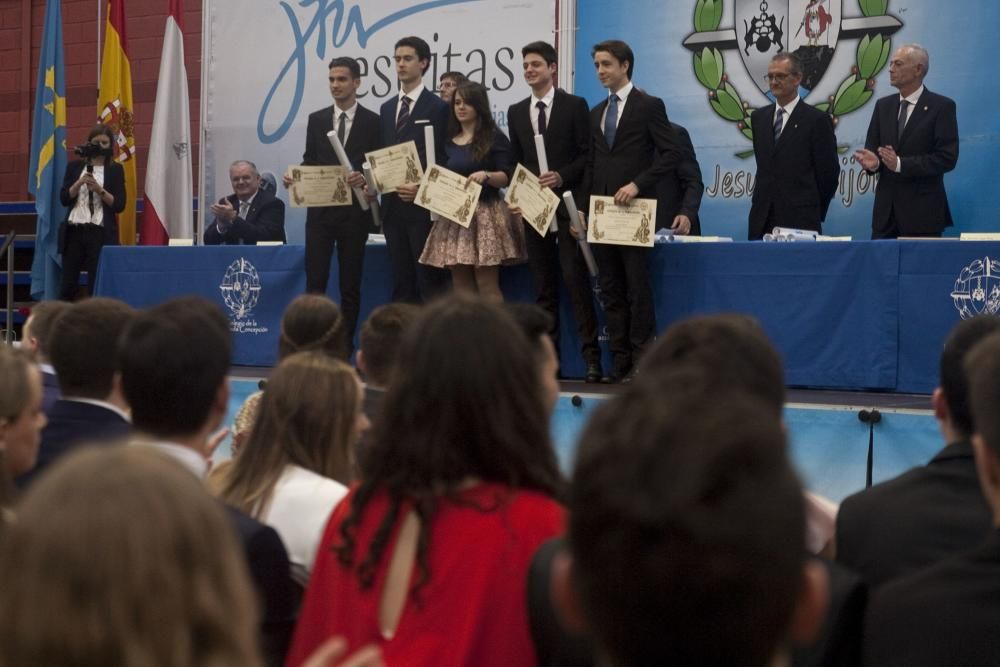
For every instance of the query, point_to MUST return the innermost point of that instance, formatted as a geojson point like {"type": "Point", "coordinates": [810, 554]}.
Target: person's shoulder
{"type": "Point", "coordinates": [890, 494]}
{"type": "Point", "coordinates": [320, 114]}
{"type": "Point", "coordinates": [365, 112]}
{"type": "Point", "coordinates": [569, 98]}
{"type": "Point", "coordinates": [519, 106]}
{"type": "Point", "coordinates": [929, 97]}
{"type": "Point", "coordinates": [299, 483]}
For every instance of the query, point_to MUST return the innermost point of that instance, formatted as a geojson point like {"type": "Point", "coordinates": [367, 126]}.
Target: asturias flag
{"type": "Point", "coordinates": [114, 108]}
{"type": "Point", "coordinates": [168, 212]}
{"type": "Point", "coordinates": [48, 156]}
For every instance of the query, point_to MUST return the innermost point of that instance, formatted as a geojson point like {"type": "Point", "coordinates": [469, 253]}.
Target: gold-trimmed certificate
{"type": "Point", "coordinates": [621, 225]}
{"type": "Point", "coordinates": [448, 194]}
{"type": "Point", "coordinates": [394, 166]}
{"type": "Point", "coordinates": [538, 204]}
{"type": "Point", "coordinates": [318, 186]}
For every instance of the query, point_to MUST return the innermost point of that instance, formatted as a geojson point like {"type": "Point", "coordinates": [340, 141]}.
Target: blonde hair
{"type": "Point", "coordinates": [120, 557]}
{"type": "Point", "coordinates": [307, 418]}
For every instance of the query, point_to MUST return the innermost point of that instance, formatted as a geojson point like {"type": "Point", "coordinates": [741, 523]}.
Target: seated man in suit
{"type": "Point", "coordinates": [932, 511]}
{"type": "Point", "coordinates": [250, 214]}
{"type": "Point", "coordinates": [174, 359]}
{"type": "Point", "coordinates": [92, 409]}
{"type": "Point", "coordinates": [948, 613]}
{"type": "Point", "coordinates": [35, 338]}
{"type": "Point", "coordinates": [679, 193]}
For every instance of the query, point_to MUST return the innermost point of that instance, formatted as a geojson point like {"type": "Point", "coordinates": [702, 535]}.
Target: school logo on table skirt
{"type": "Point", "coordinates": [977, 289]}
{"type": "Point", "coordinates": [240, 290]}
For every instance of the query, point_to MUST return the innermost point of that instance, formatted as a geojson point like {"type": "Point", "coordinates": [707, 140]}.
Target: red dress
{"type": "Point", "coordinates": [472, 611]}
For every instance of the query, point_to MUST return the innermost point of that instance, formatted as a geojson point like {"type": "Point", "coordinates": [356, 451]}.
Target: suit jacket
{"type": "Point", "coordinates": [644, 152]}
{"type": "Point", "coordinates": [114, 182]}
{"type": "Point", "coordinates": [921, 517]}
{"type": "Point", "coordinates": [428, 109]}
{"type": "Point", "coordinates": [265, 221]}
{"type": "Point", "coordinates": [798, 175]}
{"type": "Point", "coordinates": [567, 137]}
{"type": "Point", "coordinates": [365, 136]}
{"type": "Point", "coordinates": [72, 424]}
{"type": "Point", "coordinates": [50, 391]}
{"type": "Point", "coordinates": [680, 191]}
{"type": "Point", "coordinates": [928, 149]}
{"type": "Point", "coordinates": [947, 614]}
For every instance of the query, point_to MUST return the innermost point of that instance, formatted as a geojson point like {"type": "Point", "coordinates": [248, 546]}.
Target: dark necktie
{"type": "Point", "coordinates": [541, 117]}
{"type": "Point", "coordinates": [779, 123]}
{"type": "Point", "coordinates": [611, 120]}
{"type": "Point", "coordinates": [901, 119]}
{"type": "Point", "coordinates": [342, 128]}
{"type": "Point", "coordinates": [404, 115]}
{"type": "Point", "coordinates": [244, 209]}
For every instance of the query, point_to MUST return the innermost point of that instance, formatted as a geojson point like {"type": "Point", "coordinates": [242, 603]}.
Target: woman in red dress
{"type": "Point", "coordinates": [428, 556]}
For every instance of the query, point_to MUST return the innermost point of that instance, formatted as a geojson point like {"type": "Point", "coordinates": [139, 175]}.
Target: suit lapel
{"type": "Point", "coordinates": [766, 133]}
{"type": "Point", "coordinates": [917, 116]}
{"type": "Point", "coordinates": [791, 125]}
{"type": "Point", "coordinates": [631, 102]}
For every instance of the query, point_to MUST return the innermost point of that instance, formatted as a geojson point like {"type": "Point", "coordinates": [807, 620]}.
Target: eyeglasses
{"type": "Point", "coordinates": [779, 77]}
{"type": "Point", "coordinates": [241, 179]}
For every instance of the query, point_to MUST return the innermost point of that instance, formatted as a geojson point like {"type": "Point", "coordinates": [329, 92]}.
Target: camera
{"type": "Point", "coordinates": [89, 151]}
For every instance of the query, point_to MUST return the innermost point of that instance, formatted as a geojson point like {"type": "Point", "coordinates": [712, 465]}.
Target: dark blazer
{"type": "Point", "coordinates": [114, 182]}
{"type": "Point", "coordinates": [798, 175]}
{"type": "Point", "coordinates": [919, 518]}
{"type": "Point", "coordinates": [428, 109]}
{"type": "Point", "coordinates": [680, 191]}
{"type": "Point", "coordinates": [71, 424]}
{"type": "Point", "coordinates": [928, 149]}
{"type": "Point", "coordinates": [947, 614]}
{"type": "Point", "coordinates": [567, 137]}
{"type": "Point", "coordinates": [644, 152]}
{"type": "Point", "coordinates": [265, 221]}
{"type": "Point", "coordinates": [365, 136]}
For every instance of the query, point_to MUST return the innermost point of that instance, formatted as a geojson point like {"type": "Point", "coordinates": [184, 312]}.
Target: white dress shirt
{"type": "Point", "coordinates": [81, 213]}
{"type": "Point", "coordinates": [912, 98]}
{"type": "Point", "coordinates": [348, 120]}
{"type": "Point", "coordinates": [789, 108]}
{"type": "Point", "coordinates": [622, 94]}
{"type": "Point", "coordinates": [413, 95]}
{"type": "Point", "coordinates": [533, 108]}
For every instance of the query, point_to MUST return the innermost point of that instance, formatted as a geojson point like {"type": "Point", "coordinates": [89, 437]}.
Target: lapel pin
{"type": "Point", "coordinates": [925, 107]}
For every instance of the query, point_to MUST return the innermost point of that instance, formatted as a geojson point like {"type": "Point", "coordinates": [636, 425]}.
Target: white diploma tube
{"type": "Point", "coordinates": [543, 166]}
{"type": "Point", "coordinates": [431, 154]}
{"type": "Point", "coordinates": [376, 213]}
{"type": "Point", "coordinates": [574, 221]}
{"type": "Point", "coordinates": [346, 164]}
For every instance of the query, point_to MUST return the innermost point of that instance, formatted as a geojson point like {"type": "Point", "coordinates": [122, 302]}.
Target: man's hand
{"type": "Point", "coordinates": [408, 191]}
{"type": "Point", "coordinates": [550, 179]}
{"type": "Point", "coordinates": [866, 159]}
{"type": "Point", "coordinates": [224, 210]}
{"type": "Point", "coordinates": [888, 155]}
{"type": "Point", "coordinates": [286, 180]}
{"type": "Point", "coordinates": [356, 179]}
{"type": "Point", "coordinates": [573, 229]}
{"type": "Point", "coordinates": [626, 193]}
{"type": "Point", "coordinates": [682, 225]}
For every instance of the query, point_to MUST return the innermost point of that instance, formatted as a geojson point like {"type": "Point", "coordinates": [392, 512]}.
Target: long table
{"type": "Point", "coordinates": [857, 315]}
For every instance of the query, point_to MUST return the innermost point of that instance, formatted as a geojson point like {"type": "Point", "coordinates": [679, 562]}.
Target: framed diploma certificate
{"type": "Point", "coordinates": [538, 204]}
{"type": "Point", "coordinates": [318, 186]}
{"type": "Point", "coordinates": [448, 194]}
{"type": "Point", "coordinates": [622, 225]}
{"type": "Point", "coordinates": [395, 166]}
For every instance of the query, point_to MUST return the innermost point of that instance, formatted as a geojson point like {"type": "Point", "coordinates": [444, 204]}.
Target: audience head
{"type": "Point", "coordinates": [39, 325]}
{"type": "Point", "coordinates": [174, 359]}
{"type": "Point", "coordinates": [120, 557]}
{"type": "Point", "coordinates": [729, 351]}
{"type": "Point", "coordinates": [951, 399]}
{"type": "Point", "coordinates": [312, 322]}
{"type": "Point", "coordinates": [310, 416]}
{"type": "Point", "coordinates": [21, 416]}
{"type": "Point", "coordinates": [244, 420]}
{"type": "Point", "coordinates": [82, 347]}
{"type": "Point", "coordinates": [983, 368]}
{"type": "Point", "coordinates": [379, 341]}
{"type": "Point", "coordinates": [447, 83]}
{"type": "Point", "coordinates": [686, 531]}
{"type": "Point", "coordinates": [536, 324]}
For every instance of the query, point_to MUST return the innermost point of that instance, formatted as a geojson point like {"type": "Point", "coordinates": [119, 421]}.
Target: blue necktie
{"type": "Point", "coordinates": [611, 120]}
{"type": "Point", "coordinates": [779, 122]}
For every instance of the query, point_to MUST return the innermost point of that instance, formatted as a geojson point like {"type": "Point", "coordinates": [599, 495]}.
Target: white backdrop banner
{"type": "Point", "coordinates": [264, 68]}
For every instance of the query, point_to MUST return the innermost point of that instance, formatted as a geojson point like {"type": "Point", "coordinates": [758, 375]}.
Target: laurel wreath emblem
{"type": "Point", "coordinates": [854, 91]}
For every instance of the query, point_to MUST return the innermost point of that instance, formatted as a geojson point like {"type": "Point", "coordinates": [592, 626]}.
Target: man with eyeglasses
{"type": "Point", "coordinates": [796, 153]}
{"type": "Point", "coordinates": [248, 215]}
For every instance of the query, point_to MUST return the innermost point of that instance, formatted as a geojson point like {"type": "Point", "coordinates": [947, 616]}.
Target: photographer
{"type": "Point", "coordinates": [94, 191]}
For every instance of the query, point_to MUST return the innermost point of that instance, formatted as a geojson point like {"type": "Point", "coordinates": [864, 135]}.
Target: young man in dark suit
{"type": "Point", "coordinates": [631, 149]}
{"type": "Point", "coordinates": [948, 614]}
{"type": "Point", "coordinates": [405, 224]}
{"type": "Point", "coordinates": [796, 153]}
{"type": "Point", "coordinates": [912, 143]}
{"type": "Point", "coordinates": [343, 227]}
{"type": "Point", "coordinates": [562, 119]}
{"type": "Point", "coordinates": [250, 214]}
{"type": "Point", "coordinates": [679, 194]}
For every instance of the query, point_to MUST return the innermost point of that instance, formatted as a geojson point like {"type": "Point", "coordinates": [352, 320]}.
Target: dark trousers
{"type": "Point", "coordinates": [349, 236]}
{"type": "Point", "coordinates": [405, 236]}
{"type": "Point", "coordinates": [890, 230]}
{"type": "Point", "coordinates": [81, 251]}
{"type": "Point", "coordinates": [548, 259]}
{"type": "Point", "coordinates": [627, 298]}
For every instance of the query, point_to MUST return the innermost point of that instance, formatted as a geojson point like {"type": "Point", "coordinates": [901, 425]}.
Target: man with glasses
{"type": "Point", "coordinates": [248, 215]}
{"type": "Point", "coordinates": [796, 153]}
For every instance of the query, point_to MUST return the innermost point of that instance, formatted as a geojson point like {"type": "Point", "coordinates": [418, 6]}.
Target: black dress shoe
{"type": "Point", "coordinates": [594, 373]}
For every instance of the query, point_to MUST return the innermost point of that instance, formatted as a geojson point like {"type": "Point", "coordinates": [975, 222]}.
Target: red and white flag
{"type": "Point", "coordinates": [168, 212]}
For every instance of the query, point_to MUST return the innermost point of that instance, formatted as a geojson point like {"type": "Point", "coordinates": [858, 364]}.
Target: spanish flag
{"type": "Point", "coordinates": [114, 108]}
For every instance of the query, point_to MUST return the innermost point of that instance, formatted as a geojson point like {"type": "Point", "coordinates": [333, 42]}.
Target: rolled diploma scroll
{"type": "Point", "coordinates": [338, 148]}
{"type": "Point", "coordinates": [543, 166]}
{"type": "Point", "coordinates": [376, 213]}
{"type": "Point", "coordinates": [574, 221]}
{"type": "Point", "coordinates": [431, 154]}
